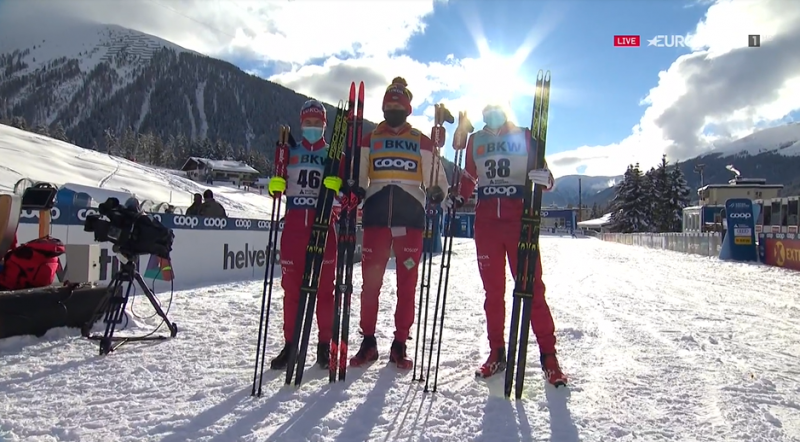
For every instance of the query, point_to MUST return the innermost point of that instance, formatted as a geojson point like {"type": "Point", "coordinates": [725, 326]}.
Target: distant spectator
{"type": "Point", "coordinates": [211, 208]}
{"type": "Point", "coordinates": [194, 209]}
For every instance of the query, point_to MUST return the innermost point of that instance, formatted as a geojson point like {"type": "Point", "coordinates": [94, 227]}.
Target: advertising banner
{"type": "Point", "coordinates": [205, 250]}
{"type": "Point", "coordinates": [739, 243]}
{"type": "Point", "coordinates": [782, 250]}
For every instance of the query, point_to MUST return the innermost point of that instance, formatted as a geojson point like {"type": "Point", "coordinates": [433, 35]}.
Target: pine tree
{"type": "Point", "coordinates": [112, 145]}
{"type": "Point", "coordinates": [628, 213]}
{"type": "Point", "coordinates": [647, 200]}
{"type": "Point", "coordinates": [678, 198]}
{"type": "Point", "coordinates": [59, 133]}
{"type": "Point", "coordinates": [595, 212]}
{"type": "Point", "coordinates": [662, 208]}
{"type": "Point", "coordinates": [42, 130]}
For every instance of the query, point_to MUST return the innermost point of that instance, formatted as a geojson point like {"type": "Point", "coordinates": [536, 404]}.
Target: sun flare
{"type": "Point", "coordinates": [494, 79]}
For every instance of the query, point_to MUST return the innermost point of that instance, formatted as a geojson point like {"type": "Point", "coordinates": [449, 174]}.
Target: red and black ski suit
{"type": "Point", "coordinates": [497, 164]}
{"type": "Point", "coordinates": [396, 164]}
{"type": "Point", "coordinates": [303, 184]}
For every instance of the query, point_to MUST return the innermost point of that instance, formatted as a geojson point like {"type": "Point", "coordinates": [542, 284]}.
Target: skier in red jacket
{"type": "Point", "coordinates": [396, 162]}
{"type": "Point", "coordinates": [301, 188]}
{"type": "Point", "coordinates": [496, 162]}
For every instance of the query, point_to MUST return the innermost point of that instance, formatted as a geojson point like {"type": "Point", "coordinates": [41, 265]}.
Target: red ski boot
{"type": "Point", "coordinates": [398, 356]}
{"type": "Point", "coordinates": [496, 362]}
{"type": "Point", "coordinates": [552, 371]}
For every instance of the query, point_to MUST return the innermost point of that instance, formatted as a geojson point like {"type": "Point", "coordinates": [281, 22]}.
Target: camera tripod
{"type": "Point", "coordinates": [112, 308]}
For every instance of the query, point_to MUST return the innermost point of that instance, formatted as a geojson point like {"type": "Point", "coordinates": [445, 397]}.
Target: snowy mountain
{"type": "Point", "coordinates": [772, 153]}
{"type": "Point", "coordinates": [90, 78]}
{"type": "Point", "coordinates": [39, 158]}
{"type": "Point", "coordinates": [569, 187]}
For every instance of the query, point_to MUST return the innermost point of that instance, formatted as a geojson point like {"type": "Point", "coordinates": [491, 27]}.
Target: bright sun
{"type": "Point", "coordinates": [494, 79]}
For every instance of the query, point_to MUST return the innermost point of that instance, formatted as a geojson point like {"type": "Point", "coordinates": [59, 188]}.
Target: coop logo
{"type": "Point", "coordinates": [394, 164]}
{"type": "Point", "coordinates": [219, 223]}
{"type": "Point", "coordinates": [243, 223]}
{"type": "Point", "coordinates": [263, 224]}
{"type": "Point", "coordinates": [55, 213]}
{"type": "Point", "coordinates": [741, 215]}
{"type": "Point", "coordinates": [500, 191]}
{"type": "Point", "coordinates": [667, 41]}
{"type": "Point", "coordinates": [303, 201]}
{"type": "Point", "coordinates": [186, 221]}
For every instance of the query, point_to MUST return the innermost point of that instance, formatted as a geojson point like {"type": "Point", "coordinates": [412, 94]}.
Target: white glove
{"type": "Point", "coordinates": [449, 202]}
{"type": "Point", "coordinates": [541, 177]}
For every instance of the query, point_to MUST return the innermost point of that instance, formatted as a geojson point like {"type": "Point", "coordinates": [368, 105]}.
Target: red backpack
{"type": "Point", "coordinates": [31, 265]}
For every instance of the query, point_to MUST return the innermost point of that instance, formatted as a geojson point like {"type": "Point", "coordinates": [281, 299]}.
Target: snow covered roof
{"type": "Point", "coordinates": [222, 165]}
{"type": "Point", "coordinates": [597, 222]}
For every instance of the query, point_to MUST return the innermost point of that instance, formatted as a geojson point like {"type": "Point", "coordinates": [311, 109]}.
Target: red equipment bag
{"type": "Point", "coordinates": [31, 265]}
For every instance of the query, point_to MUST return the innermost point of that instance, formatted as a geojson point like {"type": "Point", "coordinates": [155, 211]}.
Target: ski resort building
{"type": "Point", "coordinates": [707, 215]}
{"type": "Point", "coordinates": [203, 169]}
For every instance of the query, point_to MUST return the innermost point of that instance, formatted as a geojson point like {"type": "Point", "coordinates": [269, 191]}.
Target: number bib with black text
{"type": "Point", "coordinates": [501, 162]}
{"type": "Point", "coordinates": [304, 177]}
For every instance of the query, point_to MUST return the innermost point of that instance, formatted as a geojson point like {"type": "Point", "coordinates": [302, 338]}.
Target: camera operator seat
{"type": "Point", "coordinates": [10, 210]}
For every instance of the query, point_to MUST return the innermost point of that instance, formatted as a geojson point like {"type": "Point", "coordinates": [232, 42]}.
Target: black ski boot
{"type": "Point", "coordinates": [399, 357]}
{"type": "Point", "coordinates": [324, 355]}
{"type": "Point", "coordinates": [282, 360]}
{"type": "Point", "coordinates": [367, 353]}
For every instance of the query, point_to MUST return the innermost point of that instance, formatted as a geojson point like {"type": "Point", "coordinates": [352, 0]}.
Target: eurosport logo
{"type": "Point", "coordinates": [55, 213]}
{"type": "Point", "coordinates": [500, 191]}
{"type": "Point", "coordinates": [741, 215]}
{"type": "Point", "coordinates": [394, 164]}
{"type": "Point", "coordinates": [304, 201]}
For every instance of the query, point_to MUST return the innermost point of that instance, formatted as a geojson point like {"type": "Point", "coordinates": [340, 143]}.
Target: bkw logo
{"type": "Point", "coordinates": [503, 146]}
{"type": "Point", "coordinates": [401, 145]}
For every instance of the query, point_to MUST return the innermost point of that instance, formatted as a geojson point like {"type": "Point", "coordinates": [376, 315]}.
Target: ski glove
{"type": "Point", "coordinates": [453, 201]}
{"type": "Point", "coordinates": [541, 177]}
{"type": "Point", "coordinates": [333, 183]}
{"type": "Point", "coordinates": [276, 185]}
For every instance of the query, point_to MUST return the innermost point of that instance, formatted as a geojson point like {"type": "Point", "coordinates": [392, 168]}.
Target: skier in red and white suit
{"type": "Point", "coordinates": [301, 188]}
{"type": "Point", "coordinates": [496, 162]}
{"type": "Point", "coordinates": [396, 162]}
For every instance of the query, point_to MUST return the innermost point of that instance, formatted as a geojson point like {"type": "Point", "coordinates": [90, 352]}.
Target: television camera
{"type": "Point", "coordinates": [132, 232]}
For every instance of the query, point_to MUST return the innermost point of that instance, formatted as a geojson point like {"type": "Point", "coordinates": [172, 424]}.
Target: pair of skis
{"type": "Point", "coordinates": [344, 146]}
{"type": "Point", "coordinates": [347, 236]}
{"type": "Point", "coordinates": [528, 251]}
{"type": "Point", "coordinates": [281, 161]}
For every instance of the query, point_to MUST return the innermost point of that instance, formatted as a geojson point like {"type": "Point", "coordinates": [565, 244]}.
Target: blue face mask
{"type": "Point", "coordinates": [494, 119]}
{"type": "Point", "coordinates": [312, 134]}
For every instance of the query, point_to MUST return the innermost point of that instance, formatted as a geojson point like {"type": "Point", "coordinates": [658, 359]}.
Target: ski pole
{"type": "Point", "coordinates": [269, 271]}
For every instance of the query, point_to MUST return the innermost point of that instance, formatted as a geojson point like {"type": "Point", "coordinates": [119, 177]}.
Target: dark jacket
{"type": "Point", "coordinates": [194, 209]}
{"type": "Point", "coordinates": [212, 209]}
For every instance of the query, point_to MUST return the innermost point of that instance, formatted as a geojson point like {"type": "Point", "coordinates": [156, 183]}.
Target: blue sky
{"type": "Point", "coordinates": [610, 106]}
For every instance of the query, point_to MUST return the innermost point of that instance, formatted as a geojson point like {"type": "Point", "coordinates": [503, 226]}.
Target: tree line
{"type": "Point", "coordinates": [652, 201]}
{"type": "Point", "coordinates": [150, 149]}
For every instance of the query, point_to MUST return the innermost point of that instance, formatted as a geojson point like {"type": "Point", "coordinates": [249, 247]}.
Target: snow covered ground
{"type": "Point", "coordinates": [659, 345]}
{"type": "Point", "coordinates": [28, 155]}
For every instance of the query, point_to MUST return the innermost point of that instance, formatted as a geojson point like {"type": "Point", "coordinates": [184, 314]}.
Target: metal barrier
{"type": "Point", "coordinates": [705, 244]}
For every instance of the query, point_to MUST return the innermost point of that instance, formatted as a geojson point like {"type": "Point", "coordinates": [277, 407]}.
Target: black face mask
{"type": "Point", "coordinates": [395, 117]}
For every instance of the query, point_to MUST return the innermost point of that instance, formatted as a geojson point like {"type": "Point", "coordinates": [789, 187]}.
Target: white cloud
{"type": "Point", "coordinates": [288, 31]}
{"type": "Point", "coordinates": [722, 84]}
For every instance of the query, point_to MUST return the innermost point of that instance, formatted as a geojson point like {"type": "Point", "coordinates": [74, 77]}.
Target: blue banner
{"type": "Point", "coordinates": [739, 243]}
{"type": "Point", "coordinates": [72, 215]}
